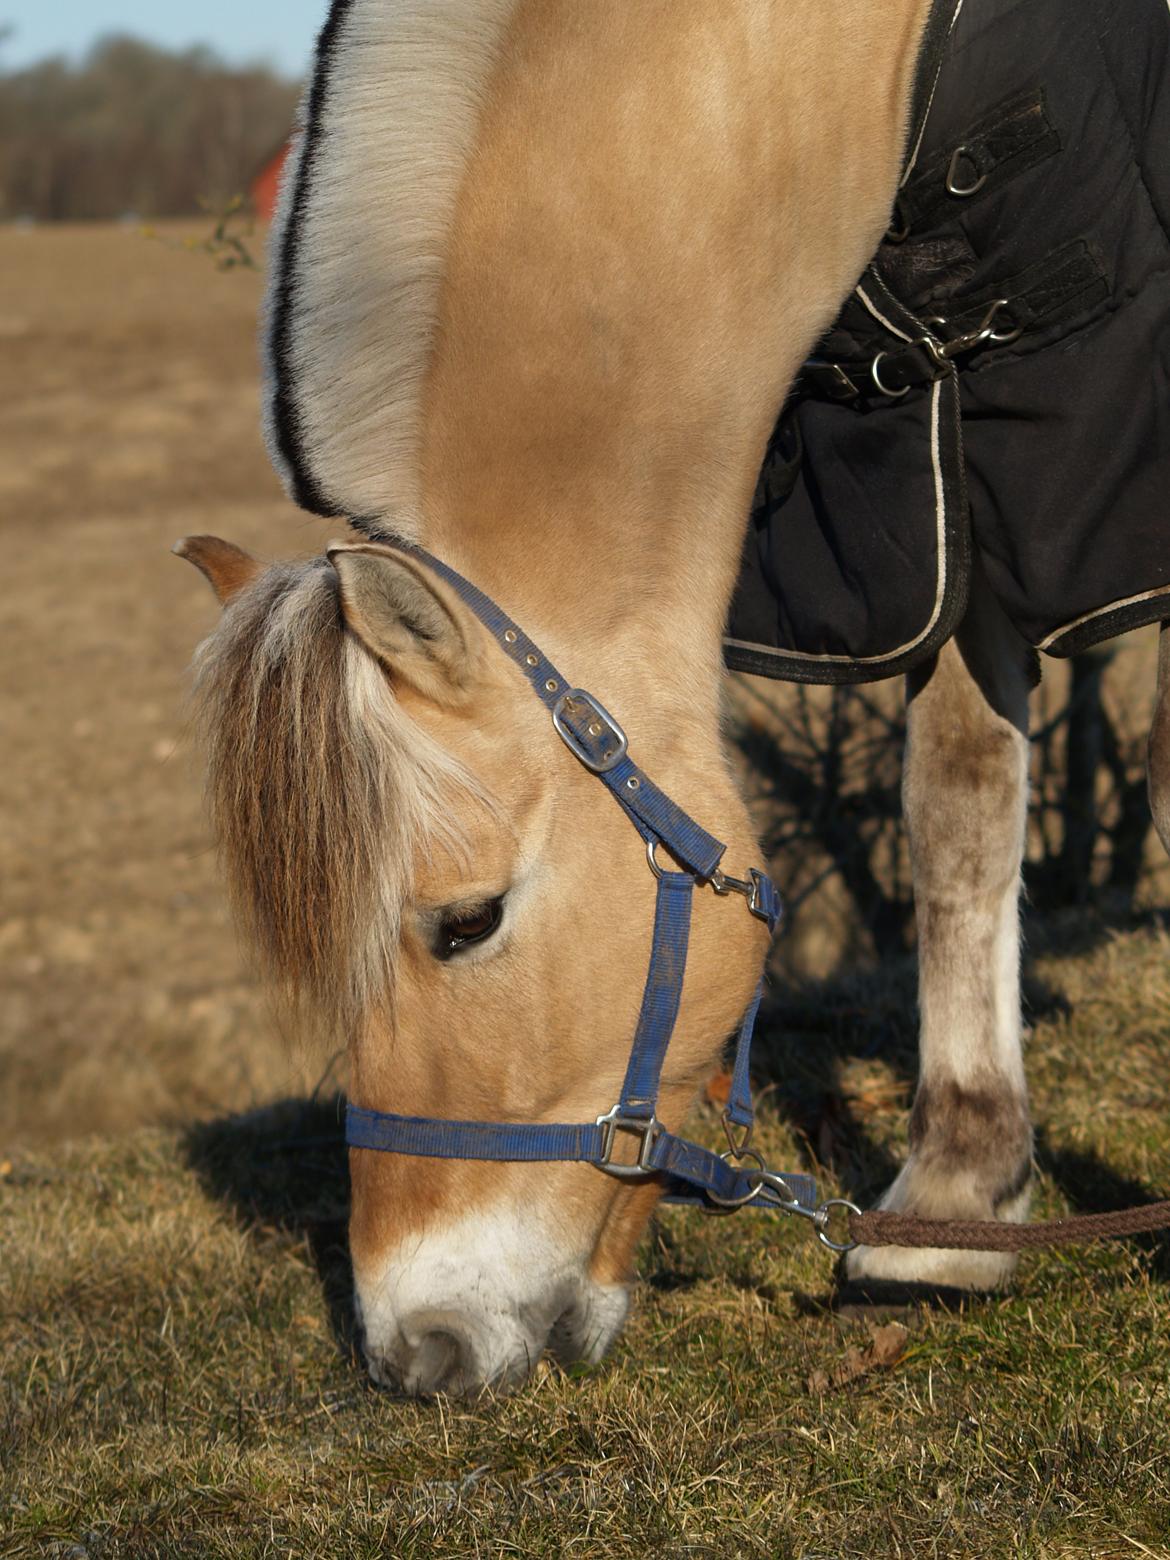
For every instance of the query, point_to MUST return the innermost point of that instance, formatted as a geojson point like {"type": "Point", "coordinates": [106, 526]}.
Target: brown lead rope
{"type": "Point", "coordinates": [899, 1229]}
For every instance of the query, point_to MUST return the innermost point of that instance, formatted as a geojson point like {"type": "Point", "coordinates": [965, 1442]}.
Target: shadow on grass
{"type": "Point", "coordinates": [1092, 1187]}
{"type": "Point", "coordinates": [805, 1037]}
{"type": "Point", "coordinates": [1077, 930]}
{"type": "Point", "coordinates": [284, 1167]}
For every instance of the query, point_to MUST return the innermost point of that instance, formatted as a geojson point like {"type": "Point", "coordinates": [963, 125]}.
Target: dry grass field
{"type": "Point", "coordinates": [128, 381]}
{"type": "Point", "coordinates": [177, 1374]}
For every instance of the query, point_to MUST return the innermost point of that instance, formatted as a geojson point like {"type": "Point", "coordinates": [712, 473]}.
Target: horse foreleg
{"type": "Point", "coordinates": [964, 798]}
{"type": "Point", "coordinates": [1158, 752]}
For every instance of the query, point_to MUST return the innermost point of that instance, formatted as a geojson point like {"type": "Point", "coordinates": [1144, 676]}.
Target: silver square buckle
{"type": "Point", "coordinates": [647, 1132]}
{"type": "Point", "coordinates": [609, 734]}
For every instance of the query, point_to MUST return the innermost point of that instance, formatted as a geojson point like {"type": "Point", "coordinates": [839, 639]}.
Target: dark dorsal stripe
{"type": "Point", "coordinates": [286, 416]}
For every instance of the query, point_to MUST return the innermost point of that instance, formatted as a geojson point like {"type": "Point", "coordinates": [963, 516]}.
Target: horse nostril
{"type": "Point", "coordinates": [438, 1357]}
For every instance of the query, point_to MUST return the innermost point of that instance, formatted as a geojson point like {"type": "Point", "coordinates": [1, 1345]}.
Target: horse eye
{"type": "Point", "coordinates": [471, 926]}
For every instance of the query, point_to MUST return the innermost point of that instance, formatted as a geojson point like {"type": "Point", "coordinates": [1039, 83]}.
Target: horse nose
{"type": "Point", "coordinates": [437, 1354]}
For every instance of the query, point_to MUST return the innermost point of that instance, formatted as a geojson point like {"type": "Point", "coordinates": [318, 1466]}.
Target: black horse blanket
{"type": "Point", "coordinates": [998, 384]}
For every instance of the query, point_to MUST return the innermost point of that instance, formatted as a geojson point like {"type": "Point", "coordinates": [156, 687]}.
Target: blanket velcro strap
{"type": "Point", "coordinates": [1015, 136]}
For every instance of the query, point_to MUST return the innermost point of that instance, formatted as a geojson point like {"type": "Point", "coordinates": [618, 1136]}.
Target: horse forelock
{"type": "Point", "coordinates": [323, 792]}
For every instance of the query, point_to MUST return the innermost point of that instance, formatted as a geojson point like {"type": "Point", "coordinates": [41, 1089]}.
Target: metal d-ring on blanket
{"type": "Point", "coordinates": [952, 180]}
{"type": "Point", "coordinates": [693, 1174]}
{"type": "Point", "coordinates": [894, 394]}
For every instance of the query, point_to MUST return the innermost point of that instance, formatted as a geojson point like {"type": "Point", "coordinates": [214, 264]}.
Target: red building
{"type": "Point", "coordinates": [265, 185]}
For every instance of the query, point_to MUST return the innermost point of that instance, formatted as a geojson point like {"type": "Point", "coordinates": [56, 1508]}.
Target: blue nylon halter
{"type": "Point", "coordinates": [693, 1174]}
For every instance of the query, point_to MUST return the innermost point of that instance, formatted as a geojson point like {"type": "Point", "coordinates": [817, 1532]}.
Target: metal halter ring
{"type": "Point", "coordinates": [731, 1203]}
{"type": "Point", "coordinates": [743, 1147]}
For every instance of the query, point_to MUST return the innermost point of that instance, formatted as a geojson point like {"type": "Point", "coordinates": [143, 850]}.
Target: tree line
{"type": "Point", "coordinates": [132, 128]}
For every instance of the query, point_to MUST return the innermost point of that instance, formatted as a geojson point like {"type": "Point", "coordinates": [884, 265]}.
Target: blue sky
{"type": "Point", "coordinates": [278, 31]}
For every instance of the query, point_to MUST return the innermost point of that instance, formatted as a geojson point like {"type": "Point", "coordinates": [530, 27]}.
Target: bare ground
{"type": "Point", "coordinates": [129, 401]}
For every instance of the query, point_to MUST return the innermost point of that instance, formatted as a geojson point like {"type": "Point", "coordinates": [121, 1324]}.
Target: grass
{"type": "Point", "coordinates": [179, 1373]}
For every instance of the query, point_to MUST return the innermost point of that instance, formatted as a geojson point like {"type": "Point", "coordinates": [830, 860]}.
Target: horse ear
{"type": "Point", "coordinates": [410, 620]}
{"type": "Point", "coordinates": [226, 567]}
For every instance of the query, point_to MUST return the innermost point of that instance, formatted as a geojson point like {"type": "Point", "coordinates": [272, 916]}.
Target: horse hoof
{"type": "Point", "coordinates": [927, 1268]}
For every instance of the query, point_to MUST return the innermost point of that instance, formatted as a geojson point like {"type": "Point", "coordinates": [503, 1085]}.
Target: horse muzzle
{"type": "Point", "coordinates": [477, 1307]}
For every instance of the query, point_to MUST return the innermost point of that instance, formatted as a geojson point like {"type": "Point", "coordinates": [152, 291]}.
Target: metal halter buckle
{"type": "Point", "coordinates": [602, 725]}
{"type": "Point", "coordinates": [647, 1131]}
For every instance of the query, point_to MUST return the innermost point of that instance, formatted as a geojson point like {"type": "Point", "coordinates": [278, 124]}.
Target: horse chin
{"type": "Point", "coordinates": [477, 1309]}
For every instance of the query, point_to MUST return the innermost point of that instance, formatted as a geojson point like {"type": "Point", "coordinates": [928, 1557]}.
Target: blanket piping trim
{"type": "Point", "coordinates": [1116, 617]}
{"type": "Point", "coordinates": [952, 529]}
{"type": "Point", "coordinates": [735, 650]}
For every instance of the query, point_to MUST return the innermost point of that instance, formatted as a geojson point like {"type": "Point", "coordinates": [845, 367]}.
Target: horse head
{"type": "Point", "coordinates": [423, 866]}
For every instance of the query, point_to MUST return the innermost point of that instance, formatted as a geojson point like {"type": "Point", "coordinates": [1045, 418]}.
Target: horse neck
{"type": "Point", "coordinates": [621, 567]}
{"type": "Point", "coordinates": [651, 236]}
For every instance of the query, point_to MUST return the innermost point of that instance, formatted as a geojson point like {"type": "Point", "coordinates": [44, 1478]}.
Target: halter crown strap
{"type": "Point", "coordinates": [588, 730]}
{"type": "Point", "coordinates": [693, 1174]}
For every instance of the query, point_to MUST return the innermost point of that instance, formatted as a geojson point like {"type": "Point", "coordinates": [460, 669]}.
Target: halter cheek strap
{"type": "Point", "coordinates": [693, 1174]}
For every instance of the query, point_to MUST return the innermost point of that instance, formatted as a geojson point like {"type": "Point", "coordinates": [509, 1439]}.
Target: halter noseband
{"type": "Point", "coordinates": [693, 1174]}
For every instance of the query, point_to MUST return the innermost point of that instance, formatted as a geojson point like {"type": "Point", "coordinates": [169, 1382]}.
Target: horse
{"type": "Point", "coordinates": [541, 280]}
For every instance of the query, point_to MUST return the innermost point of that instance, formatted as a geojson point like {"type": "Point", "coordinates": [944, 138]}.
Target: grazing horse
{"type": "Point", "coordinates": [542, 277]}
